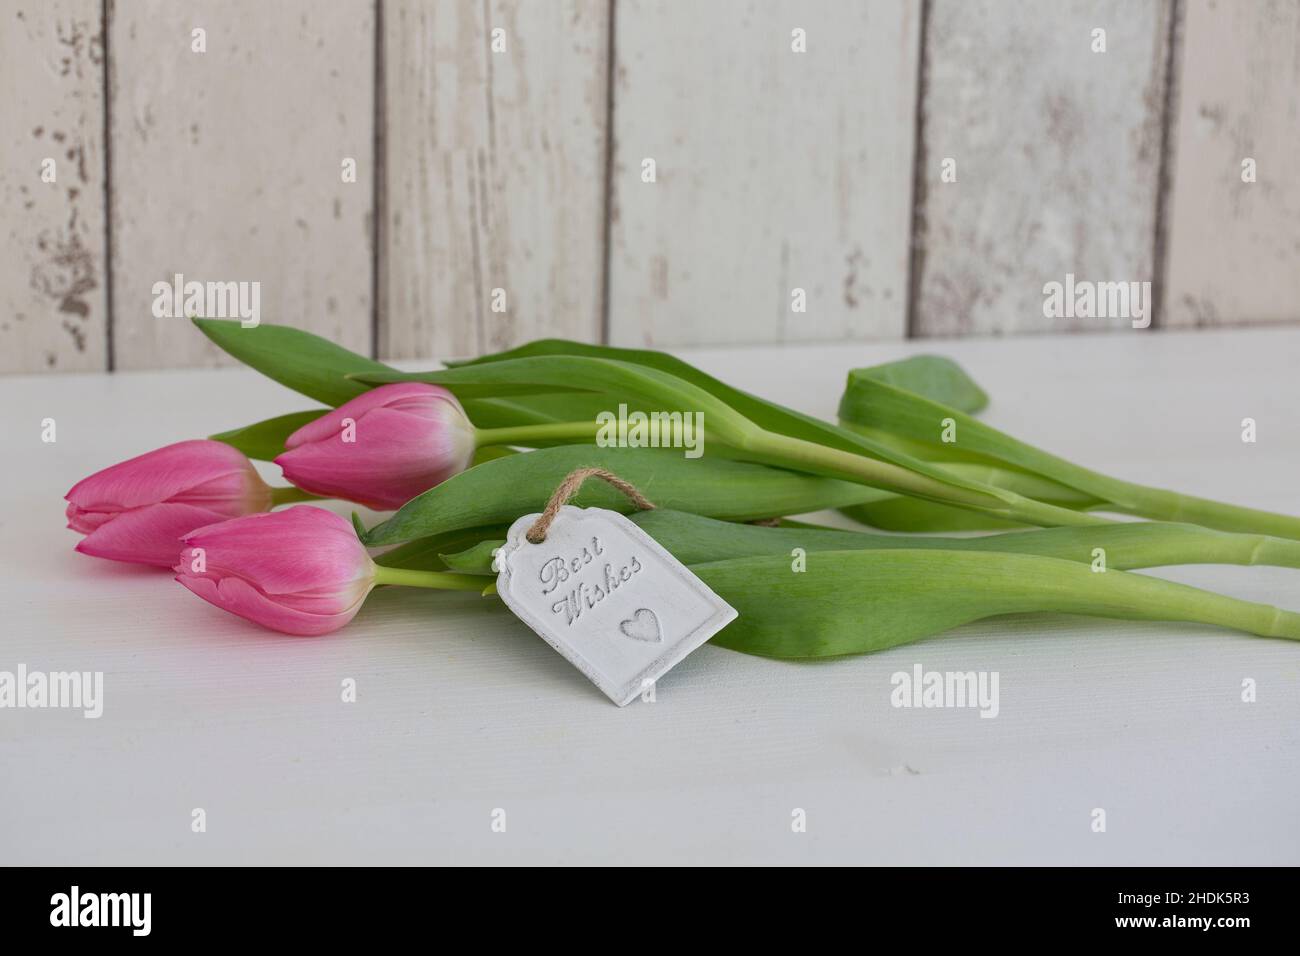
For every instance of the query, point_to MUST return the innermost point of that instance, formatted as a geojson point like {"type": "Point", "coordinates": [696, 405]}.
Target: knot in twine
{"type": "Point", "coordinates": [569, 487]}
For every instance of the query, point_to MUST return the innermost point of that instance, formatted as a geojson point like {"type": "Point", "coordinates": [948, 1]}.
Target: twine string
{"type": "Point", "coordinates": [569, 487]}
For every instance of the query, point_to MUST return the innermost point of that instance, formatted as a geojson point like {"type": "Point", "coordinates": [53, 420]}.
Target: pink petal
{"type": "Point", "coordinates": [394, 458]}
{"type": "Point", "coordinates": [302, 549]}
{"type": "Point", "coordinates": [232, 494]}
{"type": "Point", "coordinates": [86, 521]}
{"type": "Point", "coordinates": [156, 476]}
{"type": "Point", "coordinates": [149, 535]}
{"type": "Point", "coordinates": [418, 398]}
{"type": "Point", "coordinates": [240, 597]}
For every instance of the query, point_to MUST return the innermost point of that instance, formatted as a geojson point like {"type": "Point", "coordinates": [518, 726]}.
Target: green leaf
{"type": "Point", "coordinates": [617, 381]}
{"type": "Point", "coordinates": [730, 415]}
{"type": "Point", "coordinates": [467, 391]}
{"type": "Point", "coordinates": [304, 362]}
{"type": "Point", "coordinates": [476, 559]}
{"type": "Point", "coordinates": [765, 414]}
{"type": "Point", "coordinates": [425, 554]}
{"type": "Point", "coordinates": [265, 439]}
{"type": "Point", "coordinates": [489, 452]}
{"type": "Point", "coordinates": [856, 602]}
{"type": "Point", "coordinates": [891, 512]}
{"type": "Point", "coordinates": [693, 539]}
{"type": "Point", "coordinates": [502, 490]}
{"type": "Point", "coordinates": [540, 409]}
{"type": "Point", "coordinates": [875, 405]}
{"type": "Point", "coordinates": [934, 377]}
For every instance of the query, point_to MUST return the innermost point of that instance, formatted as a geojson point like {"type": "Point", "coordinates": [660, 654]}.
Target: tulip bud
{"type": "Point", "coordinates": [383, 447]}
{"type": "Point", "coordinates": [138, 510]}
{"type": "Point", "coordinates": [300, 571]}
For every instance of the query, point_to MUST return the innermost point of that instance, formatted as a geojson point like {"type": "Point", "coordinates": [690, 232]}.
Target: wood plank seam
{"type": "Point", "coordinates": [916, 250]}
{"type": "Point", "coordinates": [1164, 177]}
{"type": "Point", "coordinates": [379, 198]}
{"type": "Point", "coordinates": [607, 210]}
{"type": "Point", "coordinates": [110, 348]}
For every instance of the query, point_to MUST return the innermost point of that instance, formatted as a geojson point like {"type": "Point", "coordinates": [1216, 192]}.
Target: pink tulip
{"type": "Point", "coordinates": [300, 571]}
{"type": "Point", "coordinates": [138, 510]}
{"type": "Point", "coordinates": [382, 448]}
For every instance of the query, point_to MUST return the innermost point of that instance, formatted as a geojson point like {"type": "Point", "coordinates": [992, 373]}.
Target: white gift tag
{"type": "Point", "coordinates": [608, 597]}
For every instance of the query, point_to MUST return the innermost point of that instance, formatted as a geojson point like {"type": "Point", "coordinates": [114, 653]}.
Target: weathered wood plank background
{"type": "Point", "coordinates": [1056, 149]}
{"type": "Point", "coordinates": [53, 306]}
{"type": "Point", "coordinates": [782, 137]}
{"type": "Point", "coordinates": [822, 170]}
{"type": "Point", "coordinates": [1235, 245]}
{"type": "Point", "coordinates": [227, 165]}
{"type": "Point", "coordinates": [495, 162]}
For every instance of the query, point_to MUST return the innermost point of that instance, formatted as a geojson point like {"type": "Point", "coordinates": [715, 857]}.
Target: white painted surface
{"type": "Point", "coordinates": [228, 166]}
{"type": "Point", "coordinates": [495, 174]}
{"type": "Point", "coordinates": [775, 170]}
{"type": "Point", "coordinates": [461, 710]}
{"type": "Point", "coordinates": [1235, 246]}
{"type": "Point", "coordinates": [1057, 152]}
{"type": "Point", "coordinates": [52, 299]}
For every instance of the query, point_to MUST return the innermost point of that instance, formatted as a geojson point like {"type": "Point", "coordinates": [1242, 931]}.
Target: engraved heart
{"type": "Point", "coordinates": [642, 626]}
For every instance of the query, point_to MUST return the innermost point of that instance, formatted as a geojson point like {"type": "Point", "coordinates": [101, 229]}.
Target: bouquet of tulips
{"type": "Point", "coordinates": [457, 454]}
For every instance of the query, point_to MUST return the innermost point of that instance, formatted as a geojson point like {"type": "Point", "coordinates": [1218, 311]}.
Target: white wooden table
{"type": "Point", "coordinates": [461, 711]}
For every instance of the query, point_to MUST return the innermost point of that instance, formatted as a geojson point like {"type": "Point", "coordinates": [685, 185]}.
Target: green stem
{"type": "Point", "coordinates": [866, 601]}
{"type": "Point", "coordinates": [1162, 505]}
{"type": "Point", "coordinates": [1126, 545]}
{"type": "Point", "coordinates": [1139, 597]}
{"type": "Point", "coordinates": [526, 435]}
{"type": "Point", "coordinates": [439, 580]}
{"type": "Point", "coordinates": [871, 407]}
{"type": "Point", "coordinates": [1126, 497]}
{"type": "Point", "coordinates": [289, 495]}
{"type": "Point", "coordinates": [798, 453]}
{"type": "Point", "coordinates": [1158, 504]}
{"type": "Point", "coordinates": [801, 454]}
